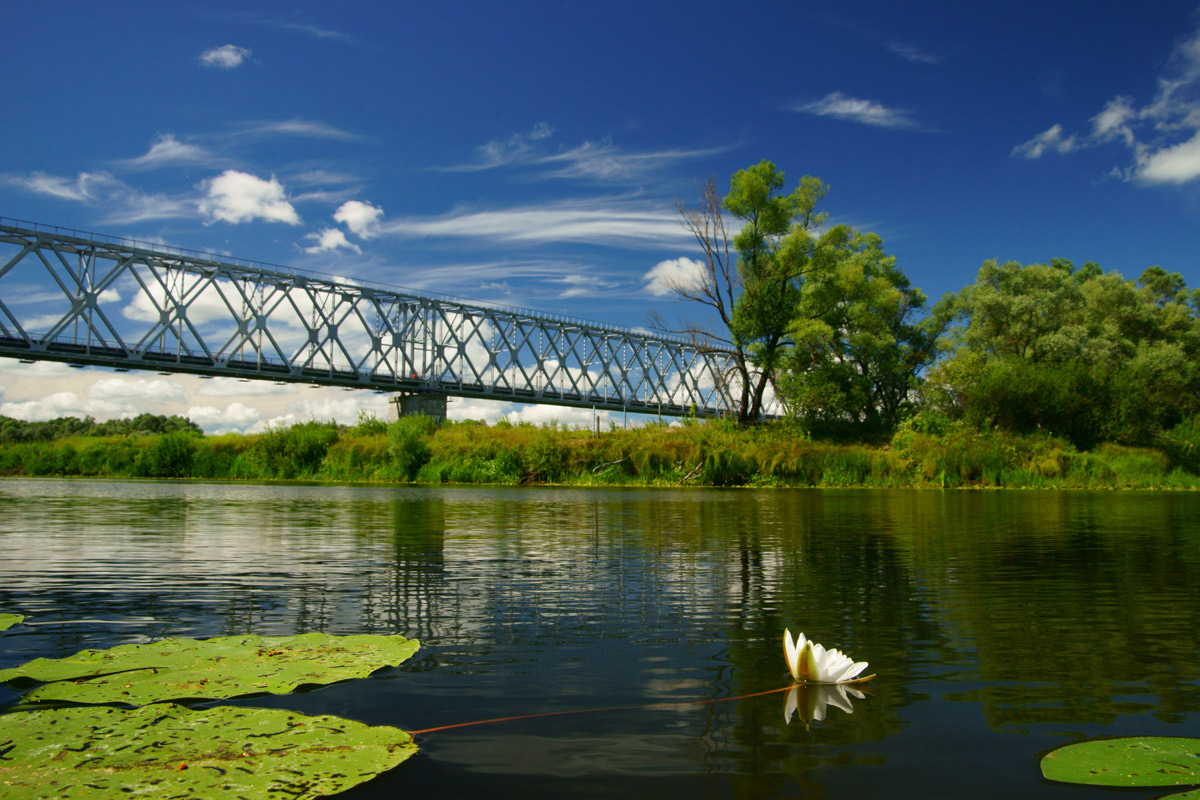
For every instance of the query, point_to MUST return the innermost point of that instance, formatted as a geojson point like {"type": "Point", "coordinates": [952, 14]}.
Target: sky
{"type": "Point", "coordinates": [532, 153]}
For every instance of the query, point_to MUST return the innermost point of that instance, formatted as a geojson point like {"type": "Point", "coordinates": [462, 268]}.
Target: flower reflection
{"type": "Point", "coordinates": [811, 700]}
{"type": "Point", "coordinates": [809, 662]}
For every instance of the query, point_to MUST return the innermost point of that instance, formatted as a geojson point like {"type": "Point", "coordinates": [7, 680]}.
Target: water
{"type": "Point", "coordinates": [999, 624]}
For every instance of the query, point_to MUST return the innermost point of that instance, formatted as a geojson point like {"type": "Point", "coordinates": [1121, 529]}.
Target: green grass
{"type": "Point", "coordinates": [920, 455]}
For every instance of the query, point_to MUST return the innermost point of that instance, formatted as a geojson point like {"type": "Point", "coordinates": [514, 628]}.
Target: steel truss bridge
{"type": "Point", "coordinates": [86, 299]}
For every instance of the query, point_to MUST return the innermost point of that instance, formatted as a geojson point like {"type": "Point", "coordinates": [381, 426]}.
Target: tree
{"type": "Point", "coordinates": [756, 294]}
{"type": "Point", "coordinates": [1076, 352]}
{"type": "Point", "coordinates": [858, 345]}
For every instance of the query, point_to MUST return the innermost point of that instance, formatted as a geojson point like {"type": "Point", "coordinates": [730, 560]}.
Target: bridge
{"type": "Point", "coordinates": [93, 300]}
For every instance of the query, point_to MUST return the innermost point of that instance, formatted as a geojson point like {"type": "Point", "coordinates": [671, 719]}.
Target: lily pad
{"type": "Point", "coordinates": [1129, 761]}
{"type": "Point", "coordinates": [224, 667]}
{"type": "Point", "coordinates": [8, 620]}
{"type": "Point", "coordinates": [94, 752]}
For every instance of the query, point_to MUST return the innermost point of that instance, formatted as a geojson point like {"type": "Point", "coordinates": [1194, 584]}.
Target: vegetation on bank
{"type": "Point", "coordinates": [1040, 375]}
{"type": "Point", "coordinates": [928, 450]}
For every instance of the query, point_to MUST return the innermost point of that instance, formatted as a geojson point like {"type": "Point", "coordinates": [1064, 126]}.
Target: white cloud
{"type": "Point", "coordinates": [1163, 135]}
{"type": "Point", "coordinates": [168, 150]}
{"type": "Point", "coordinates": [607, 222]}
{"type": "Point", "coordinates": [59, 404]}
{"type": "Point", "coordinates": [329, 240]}
{"type": "Point", "coordinates": [131, 391]}
{"type": "Point", "coordinates": [310, 129]}
{"type": "Point", "coordinates": [1176, 164]}
{"type": "Point", "coordinates": [560, 415]}
{"type": "Point", "coordinates": [237, 197]}
{"type": "Point", "coordinates": [604, 162]}
{"type": "Point", "coordinates": [42, 371]}
{"type": "Point", "coordinates": [594, 161]}
{"type": "Point", "coordinates": [864, 112]}
{"type": "Point", "coordinates": [315, 31]}
{"type": "Point", "coordinates": [1050, 139]}
{"type": "Point", "coordinates": [499, 152]}
{"type": "Point", "coordinates": [342, 409]}
{"type": "Point", "coordinates": [227, 56]}
{"type": "Point", "coordinates": [664, 276]}
{"type": "Point", "coordinates": [85, 187]}
{"type": "Point", "coordinates": [911, 53]}
{"type": "Point", "coordinates": [232, 387]}
{"type": "Point", "coordinates": [121, 203]}
{"type": "Point", "coordinates": [361, 218]}
{"type": "Point", "coordinates": [234, 415]}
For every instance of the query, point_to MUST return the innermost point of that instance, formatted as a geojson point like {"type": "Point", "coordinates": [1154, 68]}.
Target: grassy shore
{"type": "Point", "coordinates": [695, 454]}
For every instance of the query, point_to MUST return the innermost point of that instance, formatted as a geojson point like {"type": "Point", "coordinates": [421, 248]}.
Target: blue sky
{"type": "Point", "coordinates": [531, 153]}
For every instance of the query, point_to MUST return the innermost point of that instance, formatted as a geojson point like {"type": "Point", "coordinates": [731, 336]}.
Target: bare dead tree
{"type": "Point", "coordinates": [718, 286]}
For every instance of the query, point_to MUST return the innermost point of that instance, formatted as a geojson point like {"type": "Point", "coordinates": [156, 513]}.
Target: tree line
{"type": "Point", "coordinates": [825, 319]}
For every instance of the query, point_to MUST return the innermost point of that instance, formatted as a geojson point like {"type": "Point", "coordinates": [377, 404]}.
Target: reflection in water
{"type": "Point", "coordinates": [811, 701]}
{"type": "Point", "coordinates": [997, 622]}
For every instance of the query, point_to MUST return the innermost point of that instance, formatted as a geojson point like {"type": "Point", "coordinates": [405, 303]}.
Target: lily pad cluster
{"type": "Point", "coordinates": [101, 750]}
{"type": "Point", "coordinates": [1129, 761]}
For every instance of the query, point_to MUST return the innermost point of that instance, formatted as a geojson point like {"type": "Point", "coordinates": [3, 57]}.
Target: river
{"type": "Point", "coordinates": [999, 624]}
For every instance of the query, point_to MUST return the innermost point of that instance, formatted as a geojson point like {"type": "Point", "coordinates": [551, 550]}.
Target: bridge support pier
{"type": "Point", "coordinates": [431, 404]}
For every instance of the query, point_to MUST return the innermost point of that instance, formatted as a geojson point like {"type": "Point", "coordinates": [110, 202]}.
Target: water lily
{"type": "Point", "coordinates": [812, 700]}
{"type": "Point", "coordinates": [812, 663]}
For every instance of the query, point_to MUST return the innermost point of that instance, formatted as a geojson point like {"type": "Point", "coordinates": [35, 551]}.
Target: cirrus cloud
{"type": "Point", "coordinates": [854, 109]}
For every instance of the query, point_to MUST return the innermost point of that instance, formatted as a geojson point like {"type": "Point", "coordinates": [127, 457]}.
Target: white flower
{"type": "Point", "coordinates": [811, 700]}
{"type": "Point", "coordinates": [812, 663]}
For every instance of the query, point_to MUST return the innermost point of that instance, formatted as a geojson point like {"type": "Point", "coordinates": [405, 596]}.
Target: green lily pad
{"type": "Point", "coordinates": [227, 666]}
{"type": "Point", "coordinates": [1190, 794]}
{"type": "Point", "coordinates": [8, 620]}
{"type": "Point", "coordinates": [1129, 761]}
{"type": "Point", "coordinates": [94, 752]}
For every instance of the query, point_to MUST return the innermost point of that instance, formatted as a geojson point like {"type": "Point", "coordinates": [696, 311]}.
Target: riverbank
{"type": "Point", "coordinates": [695, 454]}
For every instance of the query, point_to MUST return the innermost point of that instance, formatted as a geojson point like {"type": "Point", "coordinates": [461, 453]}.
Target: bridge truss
{"type": "Point", "coordinates": [92, 300]}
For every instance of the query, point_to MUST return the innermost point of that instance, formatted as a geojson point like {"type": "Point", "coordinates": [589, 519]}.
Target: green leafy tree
{"type": "Point", "coordinates": [1077, 352]}
{"type": "Point", "coordinates": [408, 442]}
{"type": "Point", "coordinates": [859, 344]}
{"type": "Point", "coordinates": [752, 280]}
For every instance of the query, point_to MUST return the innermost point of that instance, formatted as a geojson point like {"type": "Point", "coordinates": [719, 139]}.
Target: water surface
{"type": "Point", "coordinates": [1000, 624]}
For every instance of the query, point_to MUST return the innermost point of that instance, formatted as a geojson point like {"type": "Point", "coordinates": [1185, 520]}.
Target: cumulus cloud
{"type": "Point", "coordinates": [227, 56]}
{"type": "Point", "coordinates": [107, 398]}
{"type": "Point", "coordinates": [1163, 135]}
{"type": "Point", "coordinates": [361, 218]}
{"type": "Point", "coordinates": [665, 276]}
{"type": "Point", "coordinates": [59, 404]}
{"type": "Point", "coordinates": [854, 109]}
{"type": "Point", "coordinates": [237, 197]}
{"type": "Point", "coordinates": [234, 415]}
{"type": "Point", "coordinates": [1175, 164]}
{"type": "Point", "coordinates": [232, 387]}
{"type": "Point", "coordinates": [131, 391]}
{"type": "Point", "coordinates": [328, 240]}
{"type": "Point", "coordinates": [343, 409]}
